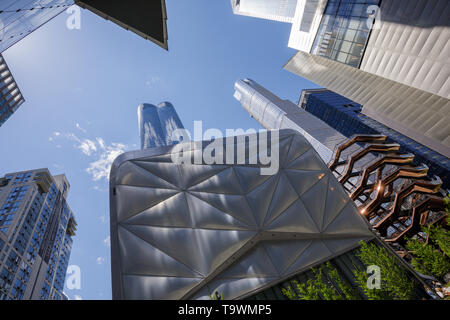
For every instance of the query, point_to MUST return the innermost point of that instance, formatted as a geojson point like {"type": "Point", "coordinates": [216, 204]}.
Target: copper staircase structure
{"type": "Point", "coordinates": [392, 193]}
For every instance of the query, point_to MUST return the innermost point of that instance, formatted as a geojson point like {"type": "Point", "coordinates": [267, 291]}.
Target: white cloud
{"type": "Point", "coordinates": [56, 133]}
{"type": "Point", "coordinates": [80, 128]}
{"type": "Point", "coordinates": [100, 260]}
{"type": "Point", "coordinates": [100, 168]}
{"type": "Point", "coordinates": [50, 139]}
{"type": "Point", "coordinates": [107, 241]}
{"type": "Point", "coordinates": [87, 147]}
{"type": "Point", "coordinates": [105, 154]}
{"type": "Point", "coordinates": [77, 297]}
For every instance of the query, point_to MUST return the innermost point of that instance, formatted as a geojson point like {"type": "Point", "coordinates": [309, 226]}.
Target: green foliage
{"type": "Point", "coordinates": [441, 237]}
{"type": "Point", "coordinates": [427, 259]}
{"type": "Point", "coordinates": [322, 287]}
{"type": "Point", "coordinates": [216, 296]}
{"type": "Point", "coordinates": [395, 285]}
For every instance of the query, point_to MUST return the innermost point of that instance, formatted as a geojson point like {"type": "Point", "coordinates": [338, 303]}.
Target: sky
{"type": "Point", "coordinates": [82, 89]}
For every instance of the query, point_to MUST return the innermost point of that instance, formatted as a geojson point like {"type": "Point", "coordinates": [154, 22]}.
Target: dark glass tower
{"type": "Point", "coordinates": [345, 116]}
{"type": "Point", "coordinates": [157, 124]}
{"type": "Point", "coordinates": [36, 230]}
{"type": "Point", "coordinates": [10, 96]}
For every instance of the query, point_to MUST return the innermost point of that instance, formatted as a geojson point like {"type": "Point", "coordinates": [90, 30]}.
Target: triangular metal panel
{"type": "Point", "coordinates": [314, 254]}
{"type": "Point", "coordinates": [139, 257]}
{"type": "Point", "coordinates": [134, 200]}
{"type": "Point", "coordinates": [172, 212]}
{"type": "Point", "coordinates": [284, 253]}
{"type": "Point", "coordinates": [157, 288]}
{"type": "Point", "coordinates": [259, 199]}
{"type": "Point", "coordinates": [166, 171]}
{"type": "Point", "coordinates": [192, 174]}
{"type": "Point", "coordinates": [314, 200]}
{"type": "Point", "coordinates": [254, 264]}
{"type": "Point", "coordinates": [235, 205]}
{"type": "Point", "coordinates": [133, 175]}
{"type": "Point", "coordinates": [179, 243]}
{"type": "Point", "coordinates": [295, 219]}
{"type": "Point", "coordinates": [224, 182]}
{"type": "Point", "coordinates": [303, 180]}
{"type": "Point", "coordinates": [348, 223]}
{"type": "Point", "coordinates": [205, 216]}
{"type": "Point", "coordinates": [299, 146]}
{"type": "Point", "coordinates": [282, 199]}
{"type": "Point", "coordinates": [250, 177]}
{"type": "Point", "coordinates": [307, 161]}
{"type": "Point", "coordinates": [336, 200]}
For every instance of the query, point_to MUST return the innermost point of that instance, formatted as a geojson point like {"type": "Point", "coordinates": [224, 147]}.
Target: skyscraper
{"type": "Point", "coordinates": [390, 56]}
{"type": "Point", "coordinates": [19, 18]}
{"type": "Point", "coordinates": [10, 96]}
{"type": "Point", "coordinates": [278, 10]}
{"type": "Point", "coordinates": [36, 230]}
{"type": "Point", "coordinates": [345, 116]}
{"type": "Point", "coordinates": [157, 124]}
{"type": "Point", "coordinates": [274, 113]}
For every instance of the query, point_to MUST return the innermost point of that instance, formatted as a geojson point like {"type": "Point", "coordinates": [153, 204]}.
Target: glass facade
{"type": "Point", "coordinates": [19, 18]}
{"type": "Point", "coordinates": [345, 116]}
{"type": "Point", "coordinates": [156, 124]}
{"type": "Point", "coordinates": [344, 30]}
{"type": "Point", "coordinates": [36, 227]}
{"type": "Point", "coordinates": [10, 96]}
{"type": "Point", "coordinates": [279, 10]}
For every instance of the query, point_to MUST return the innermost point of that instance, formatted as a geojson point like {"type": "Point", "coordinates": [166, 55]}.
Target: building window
{"type": "Point", "coordinates": [344, 31]}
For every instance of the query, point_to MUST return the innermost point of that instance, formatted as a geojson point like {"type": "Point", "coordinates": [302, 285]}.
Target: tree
{"type": "Point", "coordinates": [329, 287]}
{"type": "Point", "coordinates": [395, 284]}
{"type": "Point", "coordinates": [432, 258]}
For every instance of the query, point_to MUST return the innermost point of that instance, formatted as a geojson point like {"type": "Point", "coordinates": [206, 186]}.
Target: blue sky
{"type": "Point", "coordinates": [82, 88]}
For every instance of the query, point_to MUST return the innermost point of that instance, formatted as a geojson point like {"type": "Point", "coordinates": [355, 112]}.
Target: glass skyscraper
{"type": "Point", "coordinates": [345, 116]}
{"type": "Point", "coordinates": [10, 96]}
{"type": "Point", "coordinates": [36, 231]}
{"type": "Point", "coordinates": [390, 56]}
{"type": "Point", "coordinates": [157, 124]}
{"type": "Point", "coordinates": [279, 10]}
{"type": "Point", "coordinates": [19, 18]}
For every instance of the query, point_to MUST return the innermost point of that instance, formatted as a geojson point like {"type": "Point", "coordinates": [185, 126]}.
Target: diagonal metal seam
{"type": "Point", "coordinates": [156, 276]}
{"type": "Point", "coordinates": [282, 165]}
{"type": "Point", "coordinates": [163, 251]}
{"type": "Point", "coordinates": [270, 259]}
{"type": "Point", "coordinates": [325, 201]}
{"type": "Point", "coordinates": [207, 178]}
{"type": "Point", "coordinates": [298, 255]}
{"type": "Point", "coordinates": [137, 164]}
{"type": "Point", "coordinates": [299, 198]}
{"type": "Point", "coordinates": [337, 215]}
{"type": "Point", "coordinates": [155, 204]}
{"type": "Point", "coordinates": [312, 186]}
{"type": "Point", "coordinates": [271, 219]}
{"type": "Point", "coordinates": [271, 197]}
{"type": "Point", "coordinates": [257, 240]}
{"type": "Point", "coordinates": [235, 167]}
{"type": "Point", "coordinates": [285, 165]}
{"type": "Point", "coordinates": [245, 248]}
{"type": "Point", "coordinates": [234, 194]}
{"type": "Point", "coordinates": [152, 174]}
{"type": "Point", "coordinates": [229, 214]}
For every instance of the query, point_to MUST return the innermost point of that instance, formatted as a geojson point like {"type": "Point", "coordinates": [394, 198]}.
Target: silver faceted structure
{"type": "Point", "coordinates": [186, 231]}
